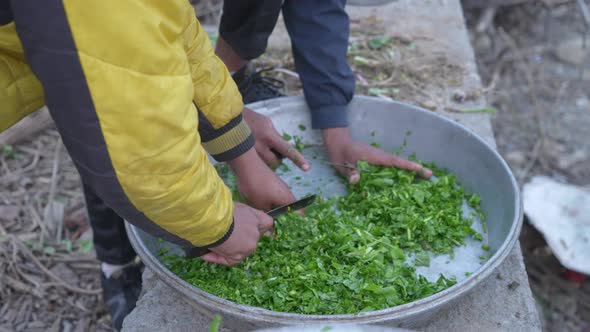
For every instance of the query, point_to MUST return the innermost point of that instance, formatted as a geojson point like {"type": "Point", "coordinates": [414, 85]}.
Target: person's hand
{"type": "Point", "coordinates": [343, 150]}
{"type": "Point", "coordinates": [249, 225]}
{"type": "Point", "coordinates": [269, 142]}
{"type": "Point", "coordinates": [258, 184]}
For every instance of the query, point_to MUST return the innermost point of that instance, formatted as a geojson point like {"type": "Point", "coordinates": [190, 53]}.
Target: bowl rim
{"type": "Point", "coordinates": [421, 306]}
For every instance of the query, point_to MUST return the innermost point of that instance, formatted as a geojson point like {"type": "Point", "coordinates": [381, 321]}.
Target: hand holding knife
{"type": "Point", "coordinates": [274, 213]}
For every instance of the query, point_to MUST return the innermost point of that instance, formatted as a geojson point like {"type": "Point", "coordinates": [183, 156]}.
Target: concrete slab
{"type": "Point", "coordinates": [504, 301]}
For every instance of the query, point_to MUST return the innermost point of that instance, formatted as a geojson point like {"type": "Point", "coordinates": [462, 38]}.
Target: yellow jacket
{"type": "Point", "coordinates": [128, 83]}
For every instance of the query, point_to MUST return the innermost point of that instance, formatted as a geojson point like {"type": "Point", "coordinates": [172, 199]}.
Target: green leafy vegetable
{"type": "Point", "coordinates": [86, 246]}
{"type": "Point", "coordinates": [422, 259]}
{"type": "Point", "coordinates": [49, 250]}
{"type": "Point", "coordinates": [67, 245]}
{"type": "Point", "coordinates": [8, 151]}
{"type": "Point", "coordinates": [215, 324]}
{"type": "Point", "coordinates": [377, 91]}
{"type": "Point", "coordinates": [360, 60]}
{"type": "Point", "coordinates": [375, 144]}
{"type": "Point", "coordinates": [379, 42]}
{"type": "Point", "coordinates": [348, 254]}
{"type": "Point", "coordinates": [287, 137]}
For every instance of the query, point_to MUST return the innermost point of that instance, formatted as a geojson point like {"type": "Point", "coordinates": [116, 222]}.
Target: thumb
{"type": "Point", "coordinates": [351, 174]}
{"type": "Point", "coordinates": [265, 222]}
{"type": "Point", "coordinates": [353, 177]}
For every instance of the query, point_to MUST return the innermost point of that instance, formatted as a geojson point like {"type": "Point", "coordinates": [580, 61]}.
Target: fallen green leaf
{"type": "Point", "coordinates": [360, 60]}
{"type": "Point", "coordinates": [49, 250]}
{"type": "Point", "coordinates": [376, 91]}
{"type": "Point", "coordinates": [8, 151]}
{"type": "Point", "coordinates": [86, 246]}
{"type": "Point", "coordinates": [215, 324]}
{"type": "Point", "coordinates": [378, 42]}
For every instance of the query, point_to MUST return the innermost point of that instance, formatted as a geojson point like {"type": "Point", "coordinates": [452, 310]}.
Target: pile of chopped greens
{"type": "Point", "coordinates": [349, 254]}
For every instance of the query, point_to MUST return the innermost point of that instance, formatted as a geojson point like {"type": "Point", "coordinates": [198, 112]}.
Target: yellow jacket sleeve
{"type": "Point", "coordinates": [224, 133]}
{"type": "Point", "coordinates": [20, 91]}
{"type": "Point", "coordinates": [121, 89]}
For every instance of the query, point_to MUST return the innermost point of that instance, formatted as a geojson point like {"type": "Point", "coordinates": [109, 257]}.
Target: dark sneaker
{"type": "Point", "coordinates": [121, 292]}
{"type": "Point", "coordinates": [256, 87]}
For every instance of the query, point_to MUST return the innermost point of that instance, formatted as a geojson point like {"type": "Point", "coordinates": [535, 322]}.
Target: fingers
{"type": "Point", "coordinates": [384, 159]}
{"type": "Point", "coordinates": [269, 157]}
{"type": "Point", "coordinates": [283, 196]}
{"type": "Point", "coordinates": [265, 222]}
{"type": "Point", "coordinates": [425, 173]}
{"type": "Point", "coordinates": [216, 258]}
{"type": "Point", "coordinates": [285, 149]}
{"type": "Point", "coordinates": [350, 174]}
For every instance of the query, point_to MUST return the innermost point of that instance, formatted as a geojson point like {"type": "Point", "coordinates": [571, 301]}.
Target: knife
{"type": "Point", "coordinates": [297, 205]}
{"type": "Point", "coordinates": [274, 213]}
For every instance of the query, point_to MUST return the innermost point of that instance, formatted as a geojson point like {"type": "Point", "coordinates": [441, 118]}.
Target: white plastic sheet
{"type": "Point", "coordinates": [561, 212]}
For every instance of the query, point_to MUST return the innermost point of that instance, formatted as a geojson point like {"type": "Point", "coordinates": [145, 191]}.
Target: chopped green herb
{"type": "Point", "coordinates": [302, 127]}
{"type": "Point", "coordinates": [485, 247]}
{"type": "Point", "coordinates": [347, 254]}
{"type": "Point", "coordinates": [467, 274]}
{"type": "Point", "coordinates": [422, 259]}
{"type": "Point", "coordinates": [375, 144]}
{"type": "Point", "coordinates": [299, 146]}
{"type": "Point", "coordinates": [287, 137]}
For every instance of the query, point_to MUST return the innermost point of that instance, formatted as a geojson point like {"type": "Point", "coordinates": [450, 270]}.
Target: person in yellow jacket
{"type": "Point", "coordinates": [139, 99]}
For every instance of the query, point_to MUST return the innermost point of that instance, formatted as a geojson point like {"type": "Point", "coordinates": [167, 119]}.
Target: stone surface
{"type": "Point", "coordinates": [503, 302]}
{"type": "Point", "coordinates": [573, 51]}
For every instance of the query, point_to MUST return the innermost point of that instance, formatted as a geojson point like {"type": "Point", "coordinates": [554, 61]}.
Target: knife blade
{"type": "Point", "coordinates": [274, 213]}
{"type": "Point", "coordinates": [297, 205]}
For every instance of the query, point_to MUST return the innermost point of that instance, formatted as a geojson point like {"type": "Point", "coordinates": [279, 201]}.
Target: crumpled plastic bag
{"type": "Point", "coordinates": [561, 212]}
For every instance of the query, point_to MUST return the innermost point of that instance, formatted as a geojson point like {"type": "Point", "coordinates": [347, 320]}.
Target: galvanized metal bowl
{"type": "Point", "coordinates": [432, 137]}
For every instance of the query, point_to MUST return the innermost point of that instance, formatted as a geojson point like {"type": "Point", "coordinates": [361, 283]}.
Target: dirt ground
{"type": "Point", "coordinates": [537, 60]}
{"type": "Point", "coordinates": [529, 60]}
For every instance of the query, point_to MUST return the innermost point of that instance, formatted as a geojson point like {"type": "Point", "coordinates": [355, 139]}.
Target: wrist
{"type": "Point", "coordinates": [243, 162]}
{"type": "Point", "coordinates": [336, 135]}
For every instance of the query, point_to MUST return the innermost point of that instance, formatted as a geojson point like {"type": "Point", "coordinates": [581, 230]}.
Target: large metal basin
{"type": "Point", "coordinates": [433, 138]}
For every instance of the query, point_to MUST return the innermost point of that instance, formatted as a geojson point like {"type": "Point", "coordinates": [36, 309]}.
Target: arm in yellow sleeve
{"type": "Point", "coordinates": [224, 133]}
{"type": "Point", "coordinates": [120, 88]}
{"type": "Point", "coordinates": [20, 91]}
